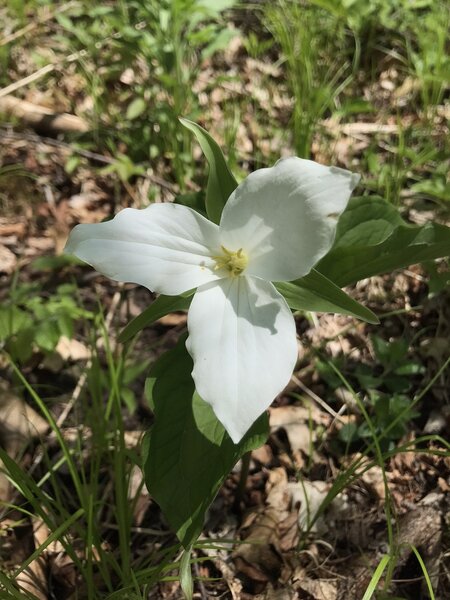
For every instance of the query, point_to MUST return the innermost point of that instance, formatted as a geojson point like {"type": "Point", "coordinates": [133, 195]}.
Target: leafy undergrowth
{"type": "Point", "coordinates": [351, 491]}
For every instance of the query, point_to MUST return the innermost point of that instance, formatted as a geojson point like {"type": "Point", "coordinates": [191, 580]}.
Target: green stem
{"type": "Point", "coordinates": [240, 490]}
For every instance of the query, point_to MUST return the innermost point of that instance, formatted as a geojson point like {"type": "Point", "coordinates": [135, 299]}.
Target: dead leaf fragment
{"type": "Point", "coordinates": [173, 319]}
{"type": "Point", "coordinates": [307, 497]}
{"type": "Point", "coordinates": [41, 117]}
{"type": "Point", "coordinates": [138, 495]}
{"type": "Point", "coordinates": [284, 593]}
{"type": "Point", "coordinates": [19, 422]}
{"type": "Point", "coordinates": [34, 579]}
{"type": "Point", "coordinates": [373, 478]}
{"type": "Point", "coordinates": [8, 260]}
{"type": "Point", "coordinates": [263, 454]}
{"type": "Point", "coordinates": [257, 557]}
{"type": "Point", "coordinates": [319, 589]}
{"type": "Point", "coordinates": [71, 349]}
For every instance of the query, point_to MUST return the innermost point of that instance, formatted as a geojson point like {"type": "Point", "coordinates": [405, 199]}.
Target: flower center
{"type": "Point", "coordinates": [233, 262]}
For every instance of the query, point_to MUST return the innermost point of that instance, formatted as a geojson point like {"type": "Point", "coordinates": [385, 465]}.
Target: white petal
{"type": "Point", "coordinates": [243, 341]}
{"type": "Point", "coordinates": [285, 217]}
{"type": "Point", "coordinates": [165, 247]}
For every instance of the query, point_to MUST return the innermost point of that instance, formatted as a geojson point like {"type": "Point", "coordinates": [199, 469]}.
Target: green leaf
{"type": "Point", "coordinates": [65, 324]}
{"type": "Point", "coordinates": [47, 335]}
{"type": "Point", "coordinates": [187, 585]}
{"type": "Point", "coordinates": [129, 399]}
{"type": "Point", "coordinates": [48, 263]}
{"type": "Point", "coordinates": [221, 182]}
{"type": "Point", "coordinates": [194, 200]}
{"type": "Point", "coordinates": [12, 320]}
{"type": "Point", "coordinates": [362, 214]}
{"type": "Point", "coordinates": [371, 588]}
{"type": "Point", "coordinates": [136, 108]}
{"type": "Point", "coordinates": [188, 454]}
{"type": "Point", "coordinates": [437, 280]}
{"type": "Point", "coordinates": [216, 6]}
{"type": "Point", "coordinates": [373, 239]}
{"type": "Point", "coordinates": [72, 163]}
{"type": "Point", "coordinates": [219, 42]}
{"type": "Point", "coordinates": [316, 293]}
{"type": "Point", "coordinates": [157, 309]}
{"type": "Point", "coordinates": [20, 346]}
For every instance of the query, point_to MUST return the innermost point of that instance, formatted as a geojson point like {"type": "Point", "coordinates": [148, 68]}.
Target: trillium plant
{"type": "Point", "coordinates": [276, 225]}
{"type": "Point", "coordinates": [261, 249]}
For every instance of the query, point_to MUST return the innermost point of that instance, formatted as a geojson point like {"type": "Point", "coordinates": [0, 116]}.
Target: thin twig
{"type": "Point", "coordinates": [318, 399]}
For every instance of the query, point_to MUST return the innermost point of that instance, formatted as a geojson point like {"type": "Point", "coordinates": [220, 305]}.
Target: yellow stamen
{"type": "Point", "coordinates": [233, 262]}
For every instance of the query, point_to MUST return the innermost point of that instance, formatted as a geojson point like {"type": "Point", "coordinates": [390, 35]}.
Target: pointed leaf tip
{"type": "Point", "coordinates": [221, 181]}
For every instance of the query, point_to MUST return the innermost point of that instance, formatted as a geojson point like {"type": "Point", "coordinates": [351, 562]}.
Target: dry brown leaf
{"type": "Point", "coordinates": [12, 228]}
{"type": "Point", "coordinates": [257, 556]}
{"type": "Point", "coordinates": [41, 117]}
{"type": "Point", "coordinates": [318, 589]}
{"type": "Point", "coordinates": [263, 454]}
{"type": "Point", "coordinates": [173, 319]}
{"type": "Point", "coordinates": [438, 420]}
{"type": "Point", "coordinates": [360, 128]}
{"type": "Point", "coordinates": [295, 420]}
{"type": "Point", "coordinates": [422, 528]}
{"type": "Point", "coordinates": [34, 579]}
{"type": "Point", "coordinates": [373, 478]}
{"type": "Point", "coordinates": [138, 495]}
{"type": "Point", "coordinates": [71, 349]}
{"type": "Point", "coordinates": [38, 245]}
{"type": "Point", "coordinates": [276, 489]}
{"type": "Point", "coordinates": [5, 486]}
{"type": "Point", "coordinates": [285, 415]}
{"type": "Point", "coordinates": [289, 532]}
{"type": "Point", "coordinates": [18, 421]}
{"type": "Point", "coordinates": [8, 260]}
{"type": "Point", "coordinates": [307, 497]}
{"type": "Point", "coordinates": [284, 593]}
{"type": "Point", "coordinates": [64, 571]}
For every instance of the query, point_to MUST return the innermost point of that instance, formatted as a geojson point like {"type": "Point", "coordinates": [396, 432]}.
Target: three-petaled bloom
{"type": "Point", "coordinates": [275, 226]}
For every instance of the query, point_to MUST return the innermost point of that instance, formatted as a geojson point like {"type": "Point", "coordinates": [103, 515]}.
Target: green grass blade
{"type": "Point", "coordinates": [51, 538]}
{"type": "Point", "coordinates": [424, 571]}
{"type": "Point", "coordinates": [51, 421]}
{"type": "Point", "coordinates": [13, 591]}
{"type": "Point", "coordinates": [187, 585]}
{"type": "Point", "coordinates": [376, 577]}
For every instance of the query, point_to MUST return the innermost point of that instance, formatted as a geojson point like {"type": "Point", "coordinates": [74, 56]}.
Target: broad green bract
{"type": "Point", "coordinates": [275, 226]}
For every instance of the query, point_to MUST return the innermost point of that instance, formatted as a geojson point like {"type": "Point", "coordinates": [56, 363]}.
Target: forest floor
{"type": "Point", "coordinates": [275, 538]}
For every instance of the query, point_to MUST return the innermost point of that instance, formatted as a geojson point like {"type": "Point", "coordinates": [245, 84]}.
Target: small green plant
{"type": "Point", "coordinates": [427, 49]}
{"type": "Point", "coordinates": [384, 387]}
{"type": "Point", "coordinates": [399, 169]}
{"type": "Point", "coordinates": [31, 320]}
{"type": "Point", "coordinates": [307, 36]}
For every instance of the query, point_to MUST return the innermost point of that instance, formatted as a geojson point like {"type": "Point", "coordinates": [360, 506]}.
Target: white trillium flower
{"type": "Point", "coordinates": [276, 225]}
